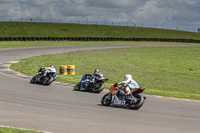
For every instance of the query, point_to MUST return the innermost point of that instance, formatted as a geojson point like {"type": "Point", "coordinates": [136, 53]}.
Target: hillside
{"type": "Point", "coordinates": [36, 29]}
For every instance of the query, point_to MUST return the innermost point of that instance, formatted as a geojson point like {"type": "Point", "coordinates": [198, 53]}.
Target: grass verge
{"type": "Point", "coordinates": [165, 71]}
{"type": "Point", "coordinates": [32, 29]}
{"type": "Point", "coordinates": [16, 44]}
{"type": "Point", "coordinates": [14, 130]}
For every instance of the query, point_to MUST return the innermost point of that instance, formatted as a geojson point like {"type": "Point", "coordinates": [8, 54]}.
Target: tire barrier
{"type": "Point", "coordinates": [96, 39]}
{"type": "Point", "coordinates": [67, 70]}
{"type": "Point", "coordinates": [63, 70]}
{"type": "Point", "coordinates": [71, 70]}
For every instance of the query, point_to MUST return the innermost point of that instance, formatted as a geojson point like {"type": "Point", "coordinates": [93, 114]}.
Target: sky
{"type": "Point", "coordinates": [168, 14]}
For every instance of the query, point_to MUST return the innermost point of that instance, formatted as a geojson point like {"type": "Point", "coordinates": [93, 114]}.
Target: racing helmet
{"type": "Point", "coordinates": [51, 66]}
{"type": "Point", "coordinates": [127, 77]}
{"type": "Point", "coordinates": [96, 71]}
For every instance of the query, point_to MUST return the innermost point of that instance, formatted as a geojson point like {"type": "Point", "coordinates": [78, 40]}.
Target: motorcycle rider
{"type": "Point", "coordinates": [129, 84]}
{"type": "Point", "coordinates": [97, 74]}
{"type": "Point", "coordinates": [52, 70]}
{"type": "Point", "coordinates": [46, 70]}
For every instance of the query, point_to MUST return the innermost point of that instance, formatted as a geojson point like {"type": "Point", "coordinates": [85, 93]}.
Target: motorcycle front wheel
{"type": "Point", "coordinates": [106, 99]}
{"type": "Point", "coordinates": [77, 86]}
{"type": "Point", "coordinates": [32, 80]}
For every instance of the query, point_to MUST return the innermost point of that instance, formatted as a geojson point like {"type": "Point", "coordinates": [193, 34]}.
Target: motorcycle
{"type": "Point", "coordinates": [45, 77]}
{"type": "Point", "coordinates": [117, 96]}
{"type": "Point", "coordinates": [89, 83]}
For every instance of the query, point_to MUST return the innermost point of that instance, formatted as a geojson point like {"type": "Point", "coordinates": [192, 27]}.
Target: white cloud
{"type": "Point", "coordinates": [163, 12]}
{"type": "Point", "coordinates": [112, 3]}
{"type": "Point", "coordinates": [190, 2]}
{"type": "Point", "coordinates": [152, 12]}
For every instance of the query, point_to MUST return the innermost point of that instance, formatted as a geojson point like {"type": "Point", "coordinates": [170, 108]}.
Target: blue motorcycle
{"type": "Point", "coordinates": [90, 83]}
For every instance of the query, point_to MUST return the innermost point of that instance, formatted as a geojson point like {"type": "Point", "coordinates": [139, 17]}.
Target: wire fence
{"type": "Point", "coordinates": [194, 28]}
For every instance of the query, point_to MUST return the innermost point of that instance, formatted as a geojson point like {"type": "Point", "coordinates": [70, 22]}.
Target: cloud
{"type": "Point", "coordinates": [112, 3]}
{"type": "Point", "coordinates": [161, 12]}
{"type": "Point", "coordinates": [152, 12]}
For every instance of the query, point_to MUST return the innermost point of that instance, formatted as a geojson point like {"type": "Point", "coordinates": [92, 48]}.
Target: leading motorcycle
{"type": "Point", "coordinates": [117, 96]}
{"type": "Point", "coordinates": [44, 77]}
{"type": "Point", "coordinates": [90, 83]}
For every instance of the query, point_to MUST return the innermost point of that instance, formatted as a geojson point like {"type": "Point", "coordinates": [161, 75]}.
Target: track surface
{"type": "Point", "coordinates": [59, 109]}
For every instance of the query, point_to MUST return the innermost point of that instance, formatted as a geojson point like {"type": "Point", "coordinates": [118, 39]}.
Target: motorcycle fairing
{"type": "Point", "coordinates": [136, 91]}
{"type": "Point", "coordinates": [115, 100]}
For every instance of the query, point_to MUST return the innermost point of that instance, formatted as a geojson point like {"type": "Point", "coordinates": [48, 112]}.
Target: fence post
{"type": "Point", "coordinates": [87, 21]}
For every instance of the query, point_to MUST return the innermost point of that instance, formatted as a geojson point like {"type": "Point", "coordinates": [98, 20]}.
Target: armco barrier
{"type": "Point", "coordinates": [96, 39]}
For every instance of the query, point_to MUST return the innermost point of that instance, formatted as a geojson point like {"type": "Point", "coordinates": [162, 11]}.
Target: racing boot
{"type": "Point", "coordinates": [131, 97]}
{"type": "Point", "coordinates": [82, 88]}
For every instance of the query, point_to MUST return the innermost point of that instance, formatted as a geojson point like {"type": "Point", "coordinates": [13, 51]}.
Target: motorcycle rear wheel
{"type": "Point", "coordinates": [138, 104]}
{"type": "Point", "coordinates": [106, 99]}
{"type": "Point", "coordinates": [48, 82]}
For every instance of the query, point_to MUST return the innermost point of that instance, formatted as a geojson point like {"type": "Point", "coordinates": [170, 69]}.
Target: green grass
{"type": "Point", "coordinates": [14, 130]}
{"type": "Point", "coordinates": [16, 44]}
{"type": "Point", "coordinates": [165, 71]}
{"type": "Point", "coordinates": [32, 29]}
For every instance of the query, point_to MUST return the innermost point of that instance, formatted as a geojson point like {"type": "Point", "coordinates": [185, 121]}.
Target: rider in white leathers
{"type": "Point", "coordinates": [53, 70]}
{"type": "Point", "coordinates": [129, 84]}
{"type": "Point", "coordinates": [45, 70]}
{"type": "Point", "coordinates": [49, 69]}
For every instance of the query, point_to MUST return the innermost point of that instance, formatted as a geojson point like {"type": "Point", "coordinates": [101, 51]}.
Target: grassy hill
{"type": "Point", "coordinates": [33, 29]}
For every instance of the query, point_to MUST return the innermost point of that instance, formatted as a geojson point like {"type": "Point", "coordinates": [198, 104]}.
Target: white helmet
{"type": "Point", "coordinates": [51, 66]}
{"type": "Point", "coordinates": [128, 77]}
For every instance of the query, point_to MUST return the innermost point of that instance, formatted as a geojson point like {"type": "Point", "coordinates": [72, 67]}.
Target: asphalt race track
{"type": "Point", "coordinates": [59, 109]}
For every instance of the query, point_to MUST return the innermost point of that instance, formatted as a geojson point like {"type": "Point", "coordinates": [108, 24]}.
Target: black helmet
{"type": "Point", "coordinates": [96, 71]}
